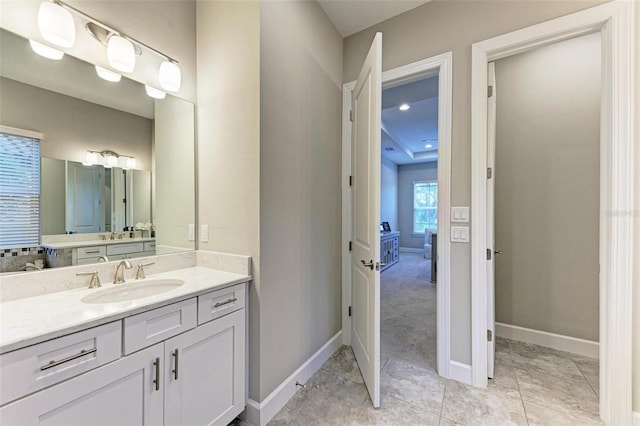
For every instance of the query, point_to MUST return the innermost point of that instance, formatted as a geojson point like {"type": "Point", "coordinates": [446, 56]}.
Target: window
{"type": "Point", "coordinates": [19, 191]}
{"type": "Point", "coordinates": [425, 206]}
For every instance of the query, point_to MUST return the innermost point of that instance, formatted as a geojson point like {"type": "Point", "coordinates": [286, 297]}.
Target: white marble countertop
{"type": "Point", "coordinates": [90, 243]}
{"type": "Point", "coordinates": [33, 320]}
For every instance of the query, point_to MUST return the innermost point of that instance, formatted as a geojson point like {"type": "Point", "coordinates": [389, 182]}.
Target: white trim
{"type": "Point", "coordinates": [549, 340]}
{"type": "Point", "coordinates": [460, 372]}
{"type": "Point", "coordinates": [615, 21]}
{"type": "Point", "coordinates": [411, 250]}
{"type": "Point", "coordinates": [636, 418]}
{"type": "Point", "coordinates": [21, 132]}
{"type": "Point", "coordinates": [443, 65]}
{"type": "Point", "coordinates": [260, 413]}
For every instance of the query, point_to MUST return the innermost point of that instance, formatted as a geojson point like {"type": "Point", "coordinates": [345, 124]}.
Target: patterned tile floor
{"type": "Point", "coordinates": [533, 385]}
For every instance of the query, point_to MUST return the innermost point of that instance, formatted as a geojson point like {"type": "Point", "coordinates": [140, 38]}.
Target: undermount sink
{"type": "Point", "coordinates": [132, 291]}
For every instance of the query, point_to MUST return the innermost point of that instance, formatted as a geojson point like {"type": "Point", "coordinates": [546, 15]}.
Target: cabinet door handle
{"type": "Point", "coordinates": [175, 365]}
{"type": "Point", "coordinates": [226, 302]}
{"type": "Point", "coordinates": [156, 363]}
{"type": "Point", "coordinates": [54, 363]}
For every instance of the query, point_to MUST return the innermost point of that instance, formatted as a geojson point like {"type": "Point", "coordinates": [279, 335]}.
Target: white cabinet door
{"type": "Point", "coordinates": [205, 373]}
{"type": "Point", "coordinates": [121, 393]}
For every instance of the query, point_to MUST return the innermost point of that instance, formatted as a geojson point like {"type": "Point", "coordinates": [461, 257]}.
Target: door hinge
{"type": "Point", "coordinates": [350, 115]}
{"type": "Point", "coordinates": [350, 180]}
{"type": "Point", "coordinates": [489, 91]}
{"type": "Point", "coordinates": [349, 310]}
{"type": "Point", "coordinates": [489, 172]}
{"type": "Point", "coordinates": [349, 245]}
{"type": "Point", "coordinates": [489, 335]}
{"type": "Point", "coordinates": [488, 254]}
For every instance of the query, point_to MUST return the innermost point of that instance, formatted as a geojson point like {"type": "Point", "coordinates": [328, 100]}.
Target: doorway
{"type": "Point", "coordinates": [614, 21]}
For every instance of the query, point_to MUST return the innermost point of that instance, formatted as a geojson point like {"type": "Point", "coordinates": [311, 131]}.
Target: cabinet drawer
{"type": "Point", "coordinates": [93, 251]}
{"type": "Point", "coordinates": [220, 302]}
{"type": "Point", "coordinates": [36, 367]}
{"type": "Point", "coordinates": [154, 326]}
{"type": "Point", "coordinates": [150, 246]}
{"type": "Point", "coordinates": [124, 248]}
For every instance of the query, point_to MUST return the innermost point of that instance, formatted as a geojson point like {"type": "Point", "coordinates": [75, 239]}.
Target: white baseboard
{"type": "Point", "coordinates": [460, 372]}
{"type": "Point", "coordinates": [411, 250]}
{"type": "Point", "coordinates": [550, 340]}
{"type": "Point", "coordinates": [636, 418]}
{"type": "Point", "coordinates": [259, 413]}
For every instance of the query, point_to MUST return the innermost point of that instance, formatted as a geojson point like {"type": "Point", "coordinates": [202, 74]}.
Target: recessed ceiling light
{"type": "Point", "coordinates": [428, 146]}
{"type": "Point", "coordinates": [404, 107]}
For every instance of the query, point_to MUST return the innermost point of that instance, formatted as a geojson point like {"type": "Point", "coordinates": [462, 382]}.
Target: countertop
{"type": "Point", "coordinates": [90, 243]}
{"type": "Point", "coordinates": [36, 319]}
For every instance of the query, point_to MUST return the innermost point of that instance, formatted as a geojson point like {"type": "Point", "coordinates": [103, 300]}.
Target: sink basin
{"type": "Point", "coordinates": [132, 291]}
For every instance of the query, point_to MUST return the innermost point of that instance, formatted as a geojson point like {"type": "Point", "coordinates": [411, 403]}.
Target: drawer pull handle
{"type": "Point", "coordinates": [92, 251]}
{"type": "Point", "coordinates": [175, 365]}
{"type": "Point", "coordinates": [226, 302]}
{"type": "Point", "coordinates": [156, 363]}
{"type": "Point", "coordinates": [67, 359]}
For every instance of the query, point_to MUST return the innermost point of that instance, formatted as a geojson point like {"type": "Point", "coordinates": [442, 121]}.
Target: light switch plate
{"type": "Point", "coordinates": [204, 233]}
{"type": "Point", "coordinates": [192, 232]}
{"type": "Point", "coordinates": [459, 234]}
{"type": "Point", "coordinates": [460, 214]}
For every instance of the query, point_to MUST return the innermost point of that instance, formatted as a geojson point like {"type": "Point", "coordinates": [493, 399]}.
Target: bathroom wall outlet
{"type": "Point", "coordinates": [192, 232]}
{"type": "Point", "coordinates": [204, 233]}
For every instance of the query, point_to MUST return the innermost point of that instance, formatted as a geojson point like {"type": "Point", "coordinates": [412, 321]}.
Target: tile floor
{"type": "Point", "coordinates": [532, 385]}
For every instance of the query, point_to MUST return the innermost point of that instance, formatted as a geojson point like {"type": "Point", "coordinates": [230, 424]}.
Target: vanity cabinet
{"type": "Point", "coordinates": [171, 366]}
{"type": "Point", "coordinates": [118, 251]}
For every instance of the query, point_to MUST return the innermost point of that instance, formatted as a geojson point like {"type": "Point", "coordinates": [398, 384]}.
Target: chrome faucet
{"type": "Point", "coordinates": [119, 277]}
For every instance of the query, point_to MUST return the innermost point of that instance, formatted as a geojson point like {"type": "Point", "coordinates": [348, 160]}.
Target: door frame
{"type": "Point", "coordinates": [443, 65]}
{"type": "Point", "coordinates": [615, 22]}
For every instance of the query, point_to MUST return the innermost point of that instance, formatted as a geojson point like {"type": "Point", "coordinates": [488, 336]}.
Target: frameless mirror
{"type": "Point", "coordinates": [84, 205]}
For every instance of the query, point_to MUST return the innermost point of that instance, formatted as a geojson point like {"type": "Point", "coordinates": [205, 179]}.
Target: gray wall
{"type": "Point", "coordinates": [547, 185]}
{"type": "Point", "coordinates": [432, 29]}
{"type": "Point", "coordinates": [52, 196]}
{"type": "Point", "coordinates": [71, 126]}
{"type": "Point", "coordinates": [407, 174]}
{"type": "Point", "coordinates": [389, 193]}
{"type": "Point", "coordinates": [300, 200]}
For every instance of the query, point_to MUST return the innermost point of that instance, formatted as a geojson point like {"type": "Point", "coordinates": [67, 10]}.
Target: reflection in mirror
{"type": "Point", "coordinates": [84, 206]}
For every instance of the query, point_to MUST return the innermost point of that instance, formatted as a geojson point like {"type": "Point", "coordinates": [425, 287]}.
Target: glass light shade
{"type": "Point", "coordinates": [112, 161]}
{"type": "Point", "coordinates": [121, 54]}
{"type": "Point", "coordinates": [46, 51]}
{"type": "Point", "coordinates": [108, 75]}
{"type": "Point", "coordinates": [170, 76]}
{"type": "Point", "coordinates": [92, 158]}
{"type": "Point", "coordinates": [131, 163]}
{"type": "Point", "coordinates": [56, 24]}
{"type": "Point", "coordinates": [154, 93]}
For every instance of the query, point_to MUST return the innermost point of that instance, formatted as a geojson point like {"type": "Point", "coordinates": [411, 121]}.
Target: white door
{"type": "Point", "coordinates": [205, 373]}
{"type": "Point", "coordinates": [123, 392]}
{"type": "Point", "coordinates": [84, 185]}
{"type": "Point", "coordinates": [491, 160]}
{"type": "Point", "coordinates": [365, 257]}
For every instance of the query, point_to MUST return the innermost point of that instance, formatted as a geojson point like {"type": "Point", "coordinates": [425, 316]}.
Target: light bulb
{"type": "Point", "coordinates": [131, 163]}
{"type": "Point", "coordinates": [169, 76]}
{"type": "Point", "coordinates": [121, 53]}
{"type": "Point", "coordinates": [112, 161]}
{"type": "Point", "coordinates": [56, 24]}
{"type": "Point", "coordinates": [92, 158]}
{"type": "Point", "coordinates": [108, 75]}
{"type": "Point", "coordinates": [154, 93]}
{"type": "Point", "coordinates": [404, 107]}
{"type": "Point", "coordinates": [46, 51]}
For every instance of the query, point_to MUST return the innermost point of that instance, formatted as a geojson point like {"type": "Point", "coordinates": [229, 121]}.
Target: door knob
{"type": "Point", "coordinates": [368, 265]}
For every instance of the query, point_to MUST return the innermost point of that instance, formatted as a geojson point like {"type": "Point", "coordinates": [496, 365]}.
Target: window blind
{"type": "Point", "coordinates": [19, 191]}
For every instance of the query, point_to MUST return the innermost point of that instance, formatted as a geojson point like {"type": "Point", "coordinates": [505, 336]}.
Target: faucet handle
{"type": "Point", "coordinates": [140, 271]}
{"type": "Point", "coordinates": [95, 278]}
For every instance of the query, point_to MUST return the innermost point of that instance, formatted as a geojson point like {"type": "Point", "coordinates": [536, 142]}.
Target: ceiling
{"type": "Point", "coordinates": [351, 16]}
{"type": "Point", "coordinates": [405, 134]}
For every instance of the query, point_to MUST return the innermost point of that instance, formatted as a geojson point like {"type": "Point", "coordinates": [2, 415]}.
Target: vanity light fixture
{"type": "Point", "coordinates": [92, 158]}
{"type": "Point", "coordinates": [56, 25]}
{"type": "Point", "coordinates": [169, 76]}
{"type": "Point", "coordinates": [404, 107]}
{"type": "Point", "coordinates": [154, 93]}
{"type": "Point", "coordinates": [111, 159]}
{"type": "Point", "coordinates": [108, 75]}
{"type": "Point", "coordinates": [46, 51]}
{"type": "Point", "coordinates": [121, 53]}
{"type": "Point", "coordinates": [131, 163]}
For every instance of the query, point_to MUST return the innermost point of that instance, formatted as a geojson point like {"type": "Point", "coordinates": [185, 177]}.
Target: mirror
{"type": "Point", "coordinates": [77, 111]}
